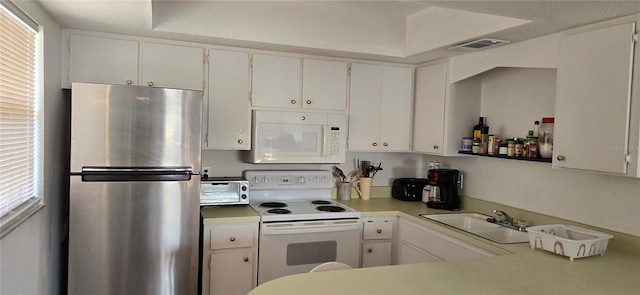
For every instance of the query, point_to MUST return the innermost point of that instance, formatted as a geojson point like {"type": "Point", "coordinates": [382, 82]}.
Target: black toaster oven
{"type": "Point", "coordinates": [408, 189]}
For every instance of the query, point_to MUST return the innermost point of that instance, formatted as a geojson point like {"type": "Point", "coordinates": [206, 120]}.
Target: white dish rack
{"type": "Point", "coordinates": [570, 241]}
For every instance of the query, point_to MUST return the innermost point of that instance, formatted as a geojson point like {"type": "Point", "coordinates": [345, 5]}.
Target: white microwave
{"type": "Point", "coordinates": [297, 137]}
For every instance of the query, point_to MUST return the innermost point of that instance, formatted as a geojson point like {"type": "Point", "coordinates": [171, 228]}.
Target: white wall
{"type": "Point", "coordinates": [611, 202]}
{"type": "Point", "coordinates": [30, 256]}
{"type": "Point", "coordinates": [394, 165]}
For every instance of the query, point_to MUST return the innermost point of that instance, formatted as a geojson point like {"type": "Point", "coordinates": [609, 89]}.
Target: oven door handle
{"type": "Point", "coordinates": [287, 228]}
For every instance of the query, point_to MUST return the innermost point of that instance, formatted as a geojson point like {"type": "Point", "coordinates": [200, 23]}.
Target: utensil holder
{"type": "Point", "coordinates": [344, 190]}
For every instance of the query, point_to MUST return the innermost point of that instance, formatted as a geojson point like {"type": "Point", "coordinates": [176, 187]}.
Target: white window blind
{"type": "Point", "coordinates": [20, 140]}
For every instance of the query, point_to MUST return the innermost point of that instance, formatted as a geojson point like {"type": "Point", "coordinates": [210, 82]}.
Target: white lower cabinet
{"type": "Point", "coordinates": [377, 241]}
{"type": "Point", "coordinates": [230, 258]}
{"type": "Point", "coordinates": [417, 244]}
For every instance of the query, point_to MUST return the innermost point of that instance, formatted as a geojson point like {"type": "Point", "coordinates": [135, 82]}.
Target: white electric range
{"type": "Point", "coordinates": [301, 226]}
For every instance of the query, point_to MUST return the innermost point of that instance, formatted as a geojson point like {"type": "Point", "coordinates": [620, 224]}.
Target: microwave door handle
{"type": "Point", "coordinates": [324, 141]}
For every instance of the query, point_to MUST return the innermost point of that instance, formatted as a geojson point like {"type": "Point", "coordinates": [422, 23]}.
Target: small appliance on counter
{"type": "Point", "coordinates": [408, 189]}
{"type": "Point", "coordinates": [215, 191]}
{"type": "Point", "coordinates": [443, 189]}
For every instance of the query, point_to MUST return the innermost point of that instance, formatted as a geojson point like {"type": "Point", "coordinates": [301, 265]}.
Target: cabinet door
{"type": "Point", "coordinates": [231, 272]}
{"type": "Point", "coordinates": [229, 118]}
{"type": "Point", "coordinates": [172, 66]}
{"type": "Point", "coordinates": [593, 100]}
{"type": "Point", "coordinates": [103, 60]}
{"type": "Point", "coordinates": [364, 107]}
{"type": "Point", "coordinates": [395, 109]}
{"type": "Point", "coordinates": [437, 244]}
{"type": "Point", "coordinates": [324, 84]}
{"type": "Point", "coordinates": [408, 254]}
{"type": "Point", "coordinates": [376, 254]}
{"type": "Point", "coordinates": [429, 110]}
{"type": "Point", "coordinates": [276, 81]}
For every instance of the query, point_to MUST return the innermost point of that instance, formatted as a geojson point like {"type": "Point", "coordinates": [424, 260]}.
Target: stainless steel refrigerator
{"type": "Point", "coordinates": [134, 190]}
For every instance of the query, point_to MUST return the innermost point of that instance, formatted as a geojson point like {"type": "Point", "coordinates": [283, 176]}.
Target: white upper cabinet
{"type": "Point", "coordinates": [429, 110]}
{"type": "Point", "coordinates": [276, 81]}
{"type": "Point", "coordinates": [101, 60]}
{"type": "Point", "coordinates": [106, 60]}
{"type": "Point", "coordinates": [364, 107]}
{"type": "Point", "coordinates": [324, 85]}
{"type": "Point", "coordinates": [294, 83]}
{"type": "Point", "coordinates": [228, 123]}
{"type": "Point", "coordinates": [395, 106]}
{"type": "Point", "coordinates": [593, 102]}
{"type": "Point", "coordinates": [380, 108]}
{"type": "Point", "coordinates": [444, 112]}
{"type": "Point", "coordinates": [172, 66]}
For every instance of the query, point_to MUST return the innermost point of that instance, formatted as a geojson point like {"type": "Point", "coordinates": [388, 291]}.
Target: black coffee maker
{"type": "Point", "coordinates": [443, 189]}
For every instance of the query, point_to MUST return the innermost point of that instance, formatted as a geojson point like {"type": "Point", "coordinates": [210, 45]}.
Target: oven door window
{"type": "Point", "coordinates": [313, 252]}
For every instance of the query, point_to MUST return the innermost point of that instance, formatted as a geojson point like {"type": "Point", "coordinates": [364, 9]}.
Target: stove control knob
{"type": "Point", "coordinates": [265, 179]}
{"type": "Point", "coordinates": [315, 179]}
{"type": "Point", "coordinates": [244, 188]}
{"type": "Point", "coordinates": [300, 179]}
{"type": "Point", "coordinates": [244, 196]}
{"type": "Point", "coordinates": [324, 179]}
{"type": "Point", "coordinates": [255, 180]}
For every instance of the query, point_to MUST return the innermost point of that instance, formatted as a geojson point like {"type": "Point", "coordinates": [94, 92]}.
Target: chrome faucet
{"type": "Point", "coordinates": [505, 217]}
{"type": "Point", "coordinates": [507, 221]}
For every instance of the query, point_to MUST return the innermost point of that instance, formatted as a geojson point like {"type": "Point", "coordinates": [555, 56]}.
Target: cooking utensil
{"type": "Point", "coordinates": [339, 174]}
{"type": "Point", "coordinates": [364, 166]}
{"type": "Point", "coordinates": [376, 169]}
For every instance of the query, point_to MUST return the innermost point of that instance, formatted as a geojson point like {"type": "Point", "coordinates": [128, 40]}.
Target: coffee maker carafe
{"type": "Point", "coordinates": [443, 189]}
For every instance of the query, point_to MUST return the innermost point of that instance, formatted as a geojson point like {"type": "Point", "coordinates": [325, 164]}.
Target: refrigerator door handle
{"type": "Point", "coordinates": [107, 174]}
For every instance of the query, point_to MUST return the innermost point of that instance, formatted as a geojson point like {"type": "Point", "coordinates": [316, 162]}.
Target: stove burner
{"type": "Point", "coordinates": [278, 211]}
{"type": "Point", "coordinates": [273, 205]}
{"type": "Point", "coordinates": [330, 208]}
{"type": "Point", "coordinates": [321, 202]}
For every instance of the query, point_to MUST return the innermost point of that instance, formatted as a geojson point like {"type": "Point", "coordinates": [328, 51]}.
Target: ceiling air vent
{"type": "Point", "coordinates": [479, 44]}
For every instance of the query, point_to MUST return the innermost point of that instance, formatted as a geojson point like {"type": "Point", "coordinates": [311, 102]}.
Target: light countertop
{"type": "Point", "coordinates": [516, 269]}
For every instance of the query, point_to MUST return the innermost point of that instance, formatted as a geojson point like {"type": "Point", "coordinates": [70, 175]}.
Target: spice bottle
{"type": "Point", "coordinates": [511, 148]}
{"type": "Point", "coordinates": [519, 147]}
{"type": "Point", "coordinates": [531, 145]}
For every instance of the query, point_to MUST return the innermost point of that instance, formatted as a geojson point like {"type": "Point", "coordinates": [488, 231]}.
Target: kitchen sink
{"type": "Point", "coordinates": [477, 224]}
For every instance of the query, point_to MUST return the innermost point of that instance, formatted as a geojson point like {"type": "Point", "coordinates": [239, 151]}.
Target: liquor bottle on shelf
{"type": "Point", "coordinates": [481, 132]}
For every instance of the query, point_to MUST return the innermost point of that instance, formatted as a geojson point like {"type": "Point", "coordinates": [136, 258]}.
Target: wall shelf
{"type": "Point", "coordinates": [541, 160]}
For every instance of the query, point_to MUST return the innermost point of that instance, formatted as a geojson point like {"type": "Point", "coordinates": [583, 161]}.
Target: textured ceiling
{"type": "Point", "coordinates": [355, 29]}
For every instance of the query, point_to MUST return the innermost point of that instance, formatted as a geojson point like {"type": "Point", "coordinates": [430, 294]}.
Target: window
{"type": "Point", "coordinates": [21, 139]}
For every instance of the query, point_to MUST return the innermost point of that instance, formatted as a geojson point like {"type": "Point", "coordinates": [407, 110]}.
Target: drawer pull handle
{"type": "Point", "coordinates": [129, 82]}
{"type": "Point", "coordinates": [233, 239]}
{"type": "Point", "coordinates": [293, 101]}
{"type": "Point", "coordinates": [369, 250]}
{"type": "Point", "coordinates": [308, 101]}
{"type": "Point", "coordinates": [385, 144]}
{"type": "Point", "coordinates": [375, 144]}
{"type": "Point", "coordinates": [379, 231]}
{"type": "Point", "coordinates": [150, 83]}
{"type": "Point", "coordinates": [435, 146]}
{"type": "Point", "coordinates": [240, 141]}
{"type": "Point", "coordinates": [561, 158]}
{"type": "Point", "coordinates": [246, 259]}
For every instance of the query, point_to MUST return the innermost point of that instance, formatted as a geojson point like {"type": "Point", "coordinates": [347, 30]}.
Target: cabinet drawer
{"type": "Point", "coordinates": [377, 230]}
{"type": "Point", "coordinates": [223, 238]}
